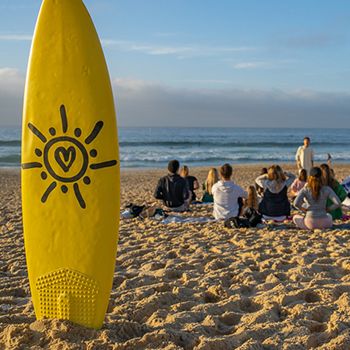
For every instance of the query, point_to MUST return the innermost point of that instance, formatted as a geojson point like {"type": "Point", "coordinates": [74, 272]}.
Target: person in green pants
{"type": "Point", "coordinates": [329, 180]}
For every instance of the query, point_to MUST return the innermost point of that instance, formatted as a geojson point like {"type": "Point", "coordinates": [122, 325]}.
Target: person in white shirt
{"type": "Point", "coordinates": [226, 194]}
{"type": "Point", "coordinates": [305, 156]}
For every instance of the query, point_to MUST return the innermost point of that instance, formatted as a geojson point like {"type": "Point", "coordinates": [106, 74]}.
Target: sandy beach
{"type": "Point", "coordinates": [193, 286]}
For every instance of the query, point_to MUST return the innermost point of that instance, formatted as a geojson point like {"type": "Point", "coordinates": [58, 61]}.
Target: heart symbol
{"type": "Point", "coordinates": [65, 157]}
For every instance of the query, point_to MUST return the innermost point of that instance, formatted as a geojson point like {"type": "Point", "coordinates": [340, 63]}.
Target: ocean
{"type": "Point", "coordinates": [154, 147]}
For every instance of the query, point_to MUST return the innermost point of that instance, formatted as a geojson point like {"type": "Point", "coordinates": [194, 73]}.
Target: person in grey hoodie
{"type": "Point", "coordinates": [315, 196]}
{"type": "Point", "coordinates": [226, 195]}
{"type": "Point", "coordinates": [275, 203]}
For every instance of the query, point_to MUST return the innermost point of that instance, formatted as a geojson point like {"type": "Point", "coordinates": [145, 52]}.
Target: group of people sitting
{"type": "Point", "coordinates": [317, 195]}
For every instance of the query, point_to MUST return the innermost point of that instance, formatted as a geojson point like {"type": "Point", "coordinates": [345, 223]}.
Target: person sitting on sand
{"type": "Point", "coordinates": [260, 190]}
{"type": "Point", "coordinates": [252, 200]}
{"type": "Point", "coordinates": [250, 209]}
{"type": "Point", "coordinates": [298, 183]}
{"type": "Point", "coordinates": [172, 189]}
{"type": "Point", "coordinates": [329, 180]}
{"type": "Point", "coordinates": [249, 215]}
{"type": "Point", "coordinates": [212, 178]}
{"type": "Point", "coordinates": [275, 204]}
{"type": "Point", "coordinates": [192, 182]}
{"type": "Point", "coordinates": [226, 195]}
{"type": "Point", "coordinates": [315, 194]}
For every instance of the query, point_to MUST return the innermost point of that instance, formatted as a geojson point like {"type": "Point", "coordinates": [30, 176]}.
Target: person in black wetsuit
{"type": "Point", "coordinates": [172, 189]}
{"type": "Point", "coordinates": [192, 182]}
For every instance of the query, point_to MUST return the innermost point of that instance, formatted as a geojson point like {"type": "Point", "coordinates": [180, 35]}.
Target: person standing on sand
{"type": "Point", "coordinates": [172, 189]}
{"type": "Point", "coordinates": [315, 194]}
{"type": "Point", "coordinates": [305, 156]}
{"type": "Point", "coordinates": [226, 195]}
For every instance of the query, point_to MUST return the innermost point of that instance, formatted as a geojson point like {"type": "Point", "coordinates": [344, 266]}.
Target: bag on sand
{"type": "Point", "coordinates": [346, 185]}
{"type": "Point", "coordinates": [142, 211]}
{"type": "Point", "coordinates": [153, 212]}
{"type": "Point", "coordinates": [253, 217]}
{"type": "Point", "coordinates": [135, 210]}
{"type": "Point", "coordinates": [207, 198]}
{"type": "Point", "coordinates": [236, 223]}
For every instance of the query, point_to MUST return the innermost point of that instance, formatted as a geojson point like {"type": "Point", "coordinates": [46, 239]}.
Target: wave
{"type": "Point", "coordinates": [10, 143]}
{"type": "Point", "coordinates": [218, 143]}
{"type": "Point", "coordinates": [11, 159]}
{"type": "Point", "coordinates": [210, 160]}
{"type": "Point", "coordinates": [149, 162]}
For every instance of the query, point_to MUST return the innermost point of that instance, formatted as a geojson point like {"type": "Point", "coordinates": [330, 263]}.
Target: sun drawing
{"type": "Point", "coordinates": [65, 159]}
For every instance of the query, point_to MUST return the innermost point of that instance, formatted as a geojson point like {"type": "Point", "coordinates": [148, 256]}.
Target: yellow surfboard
{"type": "Point", "coordinates": [70, 168]}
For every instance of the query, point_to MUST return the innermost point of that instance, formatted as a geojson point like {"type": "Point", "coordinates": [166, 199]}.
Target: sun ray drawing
{"type": "Point", "coordinates": [65, 160]}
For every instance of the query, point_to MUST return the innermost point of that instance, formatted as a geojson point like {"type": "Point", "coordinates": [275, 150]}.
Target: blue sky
{"type": "Point", "coordinates": [252, 49]}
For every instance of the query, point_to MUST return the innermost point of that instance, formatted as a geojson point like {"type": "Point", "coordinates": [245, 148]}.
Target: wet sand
{"type": "Point", "coordinates": [193, 286]}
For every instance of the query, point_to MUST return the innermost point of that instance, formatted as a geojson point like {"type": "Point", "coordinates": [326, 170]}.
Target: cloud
{"type": "Point", "coordinates": [15, 37]}
{"type": "Point", "coordinates": [165, 34]}
{"type": "Point", "coordinates": [206, 81]}
{"type": "Point", "coordinates": [311, 41]}
{"type": "Point", "coordinates": [250, 65]}
{"type": "Point", "coordinates": [15, 7]}
{"type": "Point", "coordinates": [182, 51]}
{"type": "Point", "coordinates": [179, 50]}
{"type": "Point", "coordinates": [11, 96]}
{"type": "Point", "coordinates": [144, 103]}
{"type": "Point", "coordinates": [150, 104]}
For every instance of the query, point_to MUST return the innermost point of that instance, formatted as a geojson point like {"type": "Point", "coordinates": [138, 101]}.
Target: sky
{"type": "Point", "coordinates": [215, 63]}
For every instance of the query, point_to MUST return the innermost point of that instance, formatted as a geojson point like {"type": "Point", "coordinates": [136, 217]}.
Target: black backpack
{"type": "Point", "coordinates": [236, 222]}
{"type": "Point", "coordinates": [135, 210]}
{"type": "Point", "coordinates": [253, 216]}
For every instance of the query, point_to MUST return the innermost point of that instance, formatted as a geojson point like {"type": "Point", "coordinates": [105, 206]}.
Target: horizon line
{"type": "Point", "coordinates": [210, 127]}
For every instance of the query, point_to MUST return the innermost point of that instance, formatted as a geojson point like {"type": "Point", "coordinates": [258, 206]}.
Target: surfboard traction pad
{"type": "Point", "coordinates": [67, 295]}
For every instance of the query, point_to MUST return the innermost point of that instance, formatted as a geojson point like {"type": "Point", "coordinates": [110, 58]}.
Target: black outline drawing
{"type": "Point", "coordinates": [79, 196]}
{"type": "Point", "coordinates": [65, 157]}
{"type": "Point", "coordinates": [48, 191]}
{"type": "Point", "coordinates": [32, 165]}
{"type": "Point", "coordinates": [79, 146]}
{"type": "Point", "coordinates": [103, 165]}
{"type": "Point", "coordinates": [64, 119]}
{"type": "Point", "coordinates": [37, 133]}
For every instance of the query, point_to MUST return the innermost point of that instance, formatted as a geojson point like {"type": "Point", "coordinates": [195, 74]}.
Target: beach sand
{"type": "Point", "coordinates": [193, 286]}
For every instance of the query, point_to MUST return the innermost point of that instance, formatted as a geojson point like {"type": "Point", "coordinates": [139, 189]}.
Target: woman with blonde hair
{"type": "Point", "coordinates": [251, 207]}
{"type": "Point", "coordinates": [315, 194]}
{"type": "Point", "coordinates": [212, 179]}
{"type": "Point", "coordinates": [275, 203]}
{"type": "Point", "coordinates": [252, 201]}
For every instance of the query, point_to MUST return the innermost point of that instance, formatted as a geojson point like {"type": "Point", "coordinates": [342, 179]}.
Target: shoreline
{"type": "Point", "coordinates": [199, 167]}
